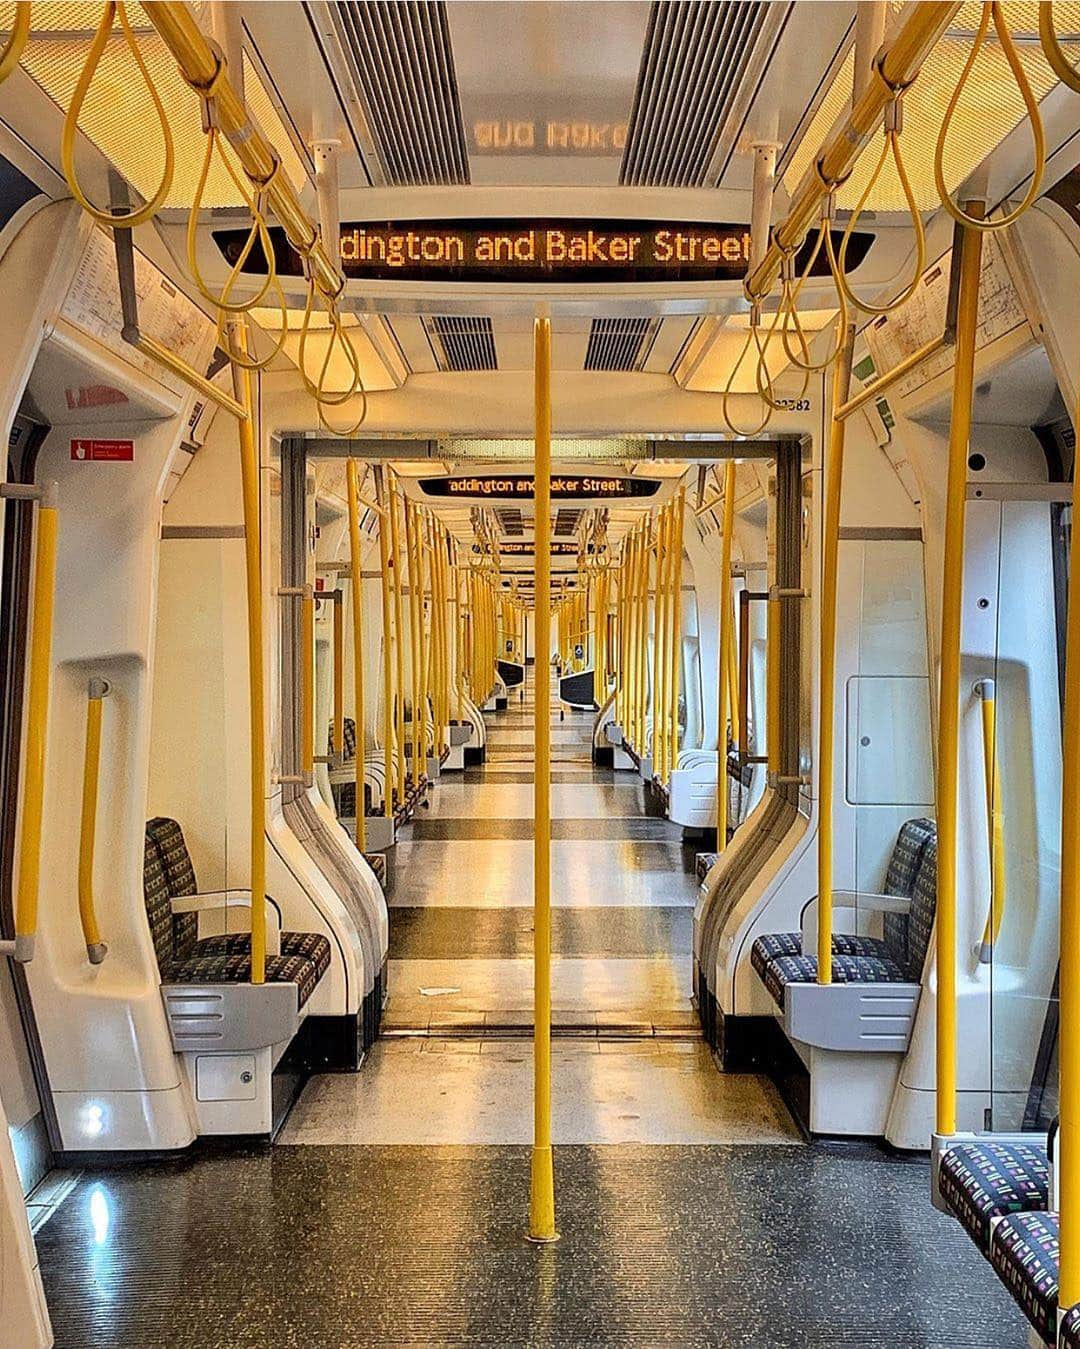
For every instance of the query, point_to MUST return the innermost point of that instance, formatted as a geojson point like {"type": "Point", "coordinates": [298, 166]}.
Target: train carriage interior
{"type": "Point", "coordinates": [539, 698]}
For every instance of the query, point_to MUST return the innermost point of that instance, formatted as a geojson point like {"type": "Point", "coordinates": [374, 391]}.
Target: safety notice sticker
{"type": "Point", "coordinates": [108, 451]}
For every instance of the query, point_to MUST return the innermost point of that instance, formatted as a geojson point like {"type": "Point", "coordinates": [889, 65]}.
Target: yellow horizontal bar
{"type": "Point", "coordinates": [169, 359]}
{"type": "Point", "coordinates": [886, 381]}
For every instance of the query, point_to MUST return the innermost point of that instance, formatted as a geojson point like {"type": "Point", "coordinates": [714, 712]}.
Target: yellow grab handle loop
{"type": "Point", "coordinates": [992, 10]}
{"type": "Point", "coordinates": [16, 43]}
{"type": "Point", "coordinates": [1059, 63]}
{"type": "Point", "coordinates": [791, 311]}
{"type": "Point", "coordinates": [114, 9]}
{"type": "Point", "coordinates": [762, 378]}
{"type": "Point", "coordinates": [891, 143]}
{"type": "Point", "coordinates": [726, 395]}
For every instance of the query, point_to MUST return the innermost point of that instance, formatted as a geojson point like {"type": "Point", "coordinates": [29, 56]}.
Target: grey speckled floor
{"type": "Point", "coordinates": [342, 1247]}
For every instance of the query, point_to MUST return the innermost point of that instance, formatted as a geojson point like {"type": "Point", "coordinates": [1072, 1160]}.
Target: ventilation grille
{"type": "Point", "coordinates": [401, 59]}
{"type": "Point", "coordinates": [619, 344]}
{"type": "Point", "coordinates": [566, 522]}
{"type": "Point", "coordinates": [467, 343]}
{"type": "Point", "coordinates": [509, 518]}
{"type": "Point", "coordinates": [697, 53]}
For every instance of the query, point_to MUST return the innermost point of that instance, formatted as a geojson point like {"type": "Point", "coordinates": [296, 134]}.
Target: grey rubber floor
{"type": "Point", "coordinates": [342, 1247]}
{"type": "Point", "coordinates": [471, 934]}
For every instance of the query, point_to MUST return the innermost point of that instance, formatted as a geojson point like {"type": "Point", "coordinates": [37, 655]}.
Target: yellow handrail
{"type": "Point", "coordinates": [387, 648]}
{"type": "Point", "coordinates": [339, 674]}
{"type": "Point", "coordinates": [674, 684]}
{"type": "Point", "coordinates": [995, 819]}
{"type": "Point", "coordinates": [399, 645]}
{"type": "Point", "coordinates": [37, 723]}
{"type": "Point", "coordinates": [830, 544]}
{"type": "Point", "coordinates": [1068, 1163]}
{"type": "Point", "coordinates": [16, 43]}
{"type": "Point", "coordinates": [897, 65]}
{"type": "Point", "coordinates": [96, 949]}
{"type": "Point", "coordinates": [307, 685]}
{"type": "Point", "coordinates": [356, 590]}
{"type": "Point", "coordinates": [968, 258]}
{"type": "Point", "coordinates": [542, 1187]}
{"type": "Point", "coordinates": [726, 650]}
{"type": "Point", "coordinates": [659, 655]}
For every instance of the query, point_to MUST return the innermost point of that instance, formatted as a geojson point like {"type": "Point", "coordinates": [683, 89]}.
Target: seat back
{"type": "Point", "coordinates": [901, 879]}
{"type": "Point", "coordinates": [168, 838]}
{"type": "Point", "coordinates": [348, 735]}
{"type": "Point", "coordinates": [158, 908]}
{"type": "Point", "coordinates": [923, 908]}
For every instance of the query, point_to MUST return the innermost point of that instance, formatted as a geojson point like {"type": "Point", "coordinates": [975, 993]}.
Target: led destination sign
{"type": "Point", "coordinates": [519, 486]}
{"type": "Point", "coordinates": [558, 251]}
{"type": "Point", "coordinates": [517, 548]}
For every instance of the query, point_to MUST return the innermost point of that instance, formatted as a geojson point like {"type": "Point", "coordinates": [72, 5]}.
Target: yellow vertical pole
{"type": "Point", "coordinates": [655, 570]}
{"type": "Point", "coordinates": [95, 947]}
{"type": "Point", "coordinates": [459, 638]}
{"type": "Point", "coordinates": [423, 575]}
{"type": "Point", "coordinates": [724, 696]}
{"type": "Point", "coordinates": [772, 686]}
{"type": "Point", "coordinates": [356, 591]}
{"type": "Point", "coordinates": [678, 517]}
{"type": "Point", "coordinates": [37, 716]}
{"type": "Point", "coordinates": [1068, 1151]}
{"type": "Point", "coordinates": [969, 262]}
{"type": "Point", "coordinates": [307, 681]}
{"type": "Point", "coordinates": [383, 498]}
{"type": "Point", "coordinates": [830, 548]}
{"type": "Point", "coordinates": [339, 676]}
{"type": "Point", "coordinates": [734, 713]}
{"type": "Point", "coordinates": [660, 653]}
{"type": "Point", "coordinates": [392, 495]}
{"type": "Point", "coordinates": [415, 621]}
{"type": "Point", "coordinates": [249, 477]}
{"type": "Point", "coordinates": [542, 1193]}
{"type": "Point", "coordinates": [641, 655]}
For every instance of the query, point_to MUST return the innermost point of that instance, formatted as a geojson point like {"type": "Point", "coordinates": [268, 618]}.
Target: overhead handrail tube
{"type": "Point", "coordinates": [1068, 1155]}
{"type": "Point", "coordinates": [830, 549]}
{"type": "Point", "coordinates": [724, 658]}
{"type": "Point", "coordinates": [542, 1188]}
{"type": "Point", "coordinates": [356, 591]}
{"type": "Point", "coordinates": [986, 691]}
{"type": "Point", "coordinates": [96, 949]}
{"type": "Point", "coordinates": [898, 65]}
{"type": "Point", "coordinates": [968, 257]}
{"type": "Point", "coordinates": [37, 720]}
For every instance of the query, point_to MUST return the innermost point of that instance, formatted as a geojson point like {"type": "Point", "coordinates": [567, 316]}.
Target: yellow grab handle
{"type": "Point", "coordinates": [95, 947]}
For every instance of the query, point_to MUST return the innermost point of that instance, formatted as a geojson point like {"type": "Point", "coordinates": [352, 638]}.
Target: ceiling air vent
{"type": "Point", "coordinates": [697, 55]}
{"type": "Point", "coordinates": [566, 522]}
{"type": "Point", "coordinates": [467, 343]}
{"type": "Point", "coordinates": [619, 344]}
{"type": "Point", "coordinates": [509, 518]}
{"type": "Point", "coordinates": [402, 64]}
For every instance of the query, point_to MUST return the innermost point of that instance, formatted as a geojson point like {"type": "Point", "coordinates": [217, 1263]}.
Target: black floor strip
{"type": "Point", "coordinates": [502, 934]}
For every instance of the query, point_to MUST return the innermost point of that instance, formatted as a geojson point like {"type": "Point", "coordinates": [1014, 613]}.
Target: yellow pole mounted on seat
{"type": "Point", "coordinates": [356, 591]}
{"type": "Point", "coordinates": [95, 948]}
{"type": "Point", "coordinates": [830, 547]}
{"type": "Point", "coordinates": [542, 1190]}
{"type": "Point", "coordinates": [724, 698]}
{"type": "Point", "coordinates": [995, 819]}
{"type": "Point", "coordinates": [249, 479]}
{"type": "Point", "coordinates": [952, 592]}
{"type": "Point", "coordinates": [1069, 980]}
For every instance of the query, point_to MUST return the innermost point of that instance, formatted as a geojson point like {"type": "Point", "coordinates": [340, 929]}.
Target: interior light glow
{"type": "Point", "coordinates": [100, 1215]}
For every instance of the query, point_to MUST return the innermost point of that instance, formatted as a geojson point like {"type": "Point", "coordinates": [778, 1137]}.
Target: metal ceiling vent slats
{"type": "Point", "coordinates": [618, 344]}
{"type": "Point", "coordinates": [403, 65]}
{"type": "Point", "coordinates": [468, 343]}
{"type": "Point", "coordinates": [696, 55]}
{"type": "Point", "coordinates": [566, 522]}
{"type": "Point", "coordinates": [510, 522]}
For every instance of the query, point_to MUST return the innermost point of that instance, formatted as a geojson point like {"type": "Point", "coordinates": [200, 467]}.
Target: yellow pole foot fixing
{"type": "Point", "coordinates": [542, 1197]}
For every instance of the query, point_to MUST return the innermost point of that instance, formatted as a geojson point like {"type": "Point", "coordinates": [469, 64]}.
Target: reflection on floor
{"type": "Point", "coordinates": [400, 1220]}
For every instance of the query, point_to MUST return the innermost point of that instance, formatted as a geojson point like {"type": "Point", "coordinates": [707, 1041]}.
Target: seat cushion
{"type": "Point", "coordinates": [311, 946]}
{"type": "Point", "coordinates": [1024, 1251]}
{"type": "Point", "coordinates": [986, 1179]}
{"type": "Point", "coordinates": [774, 945]}
{"type": "Point", "coordinates": [236, 969]}
{"type": "Point", "coordinates": [783, 970]}
{"type": "Point", "coordinates": [377, 862]}
{"type": "Point", "coordinates": [1070, 1329]}
{"type": "Point", "coordinates": [704, 863]}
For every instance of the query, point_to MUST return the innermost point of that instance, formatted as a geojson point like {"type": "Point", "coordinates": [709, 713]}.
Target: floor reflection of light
{"type": "Point", "coordinates": [100, 1215]}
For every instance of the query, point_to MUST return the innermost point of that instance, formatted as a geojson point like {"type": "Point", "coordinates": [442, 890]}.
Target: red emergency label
{"type": "Point", "coordinates": [109, 451]}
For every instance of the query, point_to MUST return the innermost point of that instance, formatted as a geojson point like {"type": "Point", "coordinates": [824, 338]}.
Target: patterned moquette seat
{"type": "Point", "coordinates": [1024, 1251]}
{"type": "Point", "coordinates": [984, 1180]}
{"type": "Point", "coordinates": [184, 959]}
{"type": "Point", "coordinates": [897, 957]}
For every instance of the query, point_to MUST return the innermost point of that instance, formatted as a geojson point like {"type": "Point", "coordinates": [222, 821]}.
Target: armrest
{"type": "Point", "coordinates": [208, 900]}
{"type": "Point", "coordinates": [864, 899]}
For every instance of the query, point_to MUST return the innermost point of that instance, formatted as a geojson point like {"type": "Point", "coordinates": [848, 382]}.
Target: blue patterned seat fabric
{"type": "Point", "coordinates": [1070, 1329]}
{"type": "Point", "coordinates": [1024, 1252]}
{"type": "Point", "coordinates": [987, 1179]}
{"type": "Point", "coordinates": [898, 957]}
{"type": "Point", "coordinates": [704, 863]}
{"type": "Point", "coordinates": [182, 958]}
